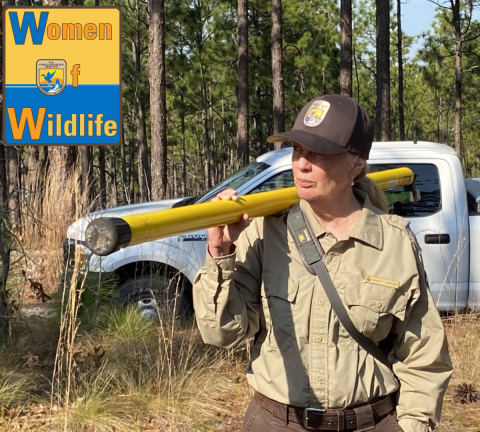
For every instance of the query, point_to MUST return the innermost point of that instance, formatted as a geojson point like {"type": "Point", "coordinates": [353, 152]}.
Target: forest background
{"type": "Point", "coordinates": [204, 83]}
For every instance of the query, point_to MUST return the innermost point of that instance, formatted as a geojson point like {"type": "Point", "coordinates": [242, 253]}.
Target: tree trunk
{"type": "Point", "coordinates": [213, 139]}
{"type": "Point", "coordinates": [102, 177]}
{"type": "Point", "coordinates": [242, 83]}
{"type": "Point", "coordinates": [4, 248]}
{"type": "Point", "coordinates": [33, 173]}
{"type": "Point", "coordinates": [3, 159]}
{"type": "Point", "coordinates": [13, 187]}
{"type": "Point", "coordinates": [401, 115]}
{"type": "Point", "coordinates": [257, 115]}
{"type": "Point", "coordinates": [206, 141]}
{"type": "Point", "coordinates": [346, 47]}
{"type": "Point", "coordinates": [158, 103]}
{"type": "Point", "coordinates": [142, 164]}
{"type": "Point", "coordinates": [277, 70]}
{"type": "Point", "coordinates": [61, 172]}
{"type": "Point", "coordinates": [124, 191]}
{"type": "Point", "coordinates": [5, 260]}
{"type": "Point", "coordinates": [175, 182]}
{"type": "Point", "coordinates": [85, 156]}
{"type": "Point", "coordinates": [383, 69]}
{"type": "Point", "coordinates": [184, 156]}
{"type": "Point", "coordinates": [32, 201]}
{"type": "Point", "coordinates": [205, 133]}
{"type": "Point", "coordinates": [131, 187]}
{"type": "Point", "coordinates": [458, 78]}
{"type": "Point", "coordinates": [3, 176]}
{"type": "Point", "coordinates": [143, 169]}
{"type": "Point", "coordinates": [113, 178]}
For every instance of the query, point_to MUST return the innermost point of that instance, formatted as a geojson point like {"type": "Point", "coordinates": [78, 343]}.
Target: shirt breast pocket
{"type": "Point", "coordinates": [279, 294]}
{"type": "Point", "coordinates": [372, 308]}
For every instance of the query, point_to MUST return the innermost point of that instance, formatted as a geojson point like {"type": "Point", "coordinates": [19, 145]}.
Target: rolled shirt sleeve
{"type": "Point", "coordinates": [226, 292]}
{"type": "Point", "coordinates": [410, 425]}
{"type": "Point", "coordinates": [422, 366]}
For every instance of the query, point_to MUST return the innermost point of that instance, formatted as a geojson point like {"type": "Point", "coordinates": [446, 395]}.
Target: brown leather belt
{"type": "Point", "coordinates": [329, 419]}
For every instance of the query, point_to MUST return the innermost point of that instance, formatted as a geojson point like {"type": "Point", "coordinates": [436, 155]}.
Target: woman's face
{"type": "Point", "coordinates": [322, 175]}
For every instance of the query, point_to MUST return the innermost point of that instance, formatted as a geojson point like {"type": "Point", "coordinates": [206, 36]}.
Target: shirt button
{"type": "Point", "coordinates": [378, 304]}
{"type": "Point", "coordinates": [318, 377]}
{"type": "Point", "coordinates": [213, 269]}
{"type": "Point", "coordinates": [327, 267]}
{"type": "Point", "coordinates": [318, 339]}
{"type": "Point", "coordinates": [321, 302]}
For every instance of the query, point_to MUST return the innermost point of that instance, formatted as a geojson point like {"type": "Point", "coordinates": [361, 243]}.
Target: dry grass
{"type": "Point", "coordinates": [86, 367]}
{"type": "Point", "coordinates": [463, 336]}
{"type": "Point", "coordinates": [129, 374]}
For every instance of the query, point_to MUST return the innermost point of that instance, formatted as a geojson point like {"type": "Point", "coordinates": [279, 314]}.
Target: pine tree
{"type": "Point", "coordinates": [158, 108]}
{"type": "Point", "coordinates": [242, 89]}
{"type": "Point", "coordinates": [346, 47]}
{"type": "Point", "coordinates": [277, 69]}
{"type": "Point", "coordinates": [383, 69]}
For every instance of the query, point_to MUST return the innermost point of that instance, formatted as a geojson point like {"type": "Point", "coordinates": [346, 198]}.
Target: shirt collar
{"type": "Point", "coordinates": [368, 228]}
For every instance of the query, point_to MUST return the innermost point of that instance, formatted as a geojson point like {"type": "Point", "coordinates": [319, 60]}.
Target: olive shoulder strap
{"type": "Point", "coordinates": [312, 253]}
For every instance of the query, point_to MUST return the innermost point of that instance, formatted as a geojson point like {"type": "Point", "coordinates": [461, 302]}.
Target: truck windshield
{"type": "Point", "coordinates": [236, 180]}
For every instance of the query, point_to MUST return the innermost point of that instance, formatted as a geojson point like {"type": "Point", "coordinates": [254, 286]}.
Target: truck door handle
{"type": "Point", "coordinates": [437, 238]}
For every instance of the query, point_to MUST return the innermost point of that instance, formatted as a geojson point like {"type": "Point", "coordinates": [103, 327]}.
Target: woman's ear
{"type": "Point", "coordinates": [358, 165]}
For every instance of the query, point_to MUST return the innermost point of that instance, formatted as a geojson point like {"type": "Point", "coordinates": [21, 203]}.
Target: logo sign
{"type": "Point", "coordinates": [316, 113]}
{"type": "Point", "coordinates": [51, 76]}
{"type": "Point", "coordinates": [62, 76]}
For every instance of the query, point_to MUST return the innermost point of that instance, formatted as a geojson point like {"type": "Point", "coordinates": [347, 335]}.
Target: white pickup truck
{"type": "Point", "coordinates": [446, 221]}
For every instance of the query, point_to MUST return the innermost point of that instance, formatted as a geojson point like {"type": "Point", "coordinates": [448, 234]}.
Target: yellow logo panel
{"type": "Point", "coordinates": [62, 76]}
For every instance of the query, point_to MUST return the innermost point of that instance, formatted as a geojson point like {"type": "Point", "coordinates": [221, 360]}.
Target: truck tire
{"type": "Point", "coordinates": [156, 294]}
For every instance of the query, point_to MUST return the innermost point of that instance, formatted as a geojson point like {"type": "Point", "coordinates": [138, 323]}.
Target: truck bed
{"type": "Point", "coordinates": [473, 193]}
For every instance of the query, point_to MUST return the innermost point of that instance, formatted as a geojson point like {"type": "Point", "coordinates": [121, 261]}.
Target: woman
{"type": "Point", "coordinates": [307, 370]}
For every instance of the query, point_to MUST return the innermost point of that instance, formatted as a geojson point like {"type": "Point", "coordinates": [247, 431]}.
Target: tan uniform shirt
{"type": "Point", "coordinates": [301, 354]}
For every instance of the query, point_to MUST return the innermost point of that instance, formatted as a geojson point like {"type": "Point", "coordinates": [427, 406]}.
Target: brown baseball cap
{"type": "Point", "coordinates": [331, 124]}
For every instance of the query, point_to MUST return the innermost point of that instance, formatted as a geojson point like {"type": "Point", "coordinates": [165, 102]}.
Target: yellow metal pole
{"type": "Point", "coordinates": [106, 235]}
{"type": "Point", "coordinates": [391, 179]}
{"type": "Point", "coordinates": [199, 216]}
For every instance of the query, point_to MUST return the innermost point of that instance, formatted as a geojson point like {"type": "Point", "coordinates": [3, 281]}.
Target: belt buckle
{"type": "Point", "coordinates": [306, 411]}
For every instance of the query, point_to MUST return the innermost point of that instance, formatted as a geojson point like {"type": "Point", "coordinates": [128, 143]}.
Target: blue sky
{"type": "Point", "coordinates": [417, 17]}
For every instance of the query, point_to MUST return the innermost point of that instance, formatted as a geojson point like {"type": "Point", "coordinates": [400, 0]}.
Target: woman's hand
{"type": "Point", "coordinates": [221, 238]}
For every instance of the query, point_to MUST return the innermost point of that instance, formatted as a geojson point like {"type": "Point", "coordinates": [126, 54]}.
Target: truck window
{"type": "Point", "coordinates": [236, 180]}
{"type": "Point", "coordinates": [278, 181]}
{"type": "Point", "coordinates": [426, 181]}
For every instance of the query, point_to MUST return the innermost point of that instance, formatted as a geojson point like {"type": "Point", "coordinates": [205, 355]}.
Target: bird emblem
{"type": "Point", "coordinates": [49, 76]}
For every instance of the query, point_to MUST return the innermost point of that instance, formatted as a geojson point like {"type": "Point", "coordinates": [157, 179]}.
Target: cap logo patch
{"type": "Point", "coordinates": [316, 113]}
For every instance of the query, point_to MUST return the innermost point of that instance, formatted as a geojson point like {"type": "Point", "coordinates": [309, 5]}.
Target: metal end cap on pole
{"type": "Point", "coordinates": [106, 235]}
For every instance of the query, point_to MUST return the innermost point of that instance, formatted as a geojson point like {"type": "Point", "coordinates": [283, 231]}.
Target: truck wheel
{"type": "Point", "coordinates": [156, 296]}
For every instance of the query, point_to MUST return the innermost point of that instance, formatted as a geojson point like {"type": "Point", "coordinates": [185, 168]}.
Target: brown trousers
{"type": "Point", "coordinates": [258, 419]}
